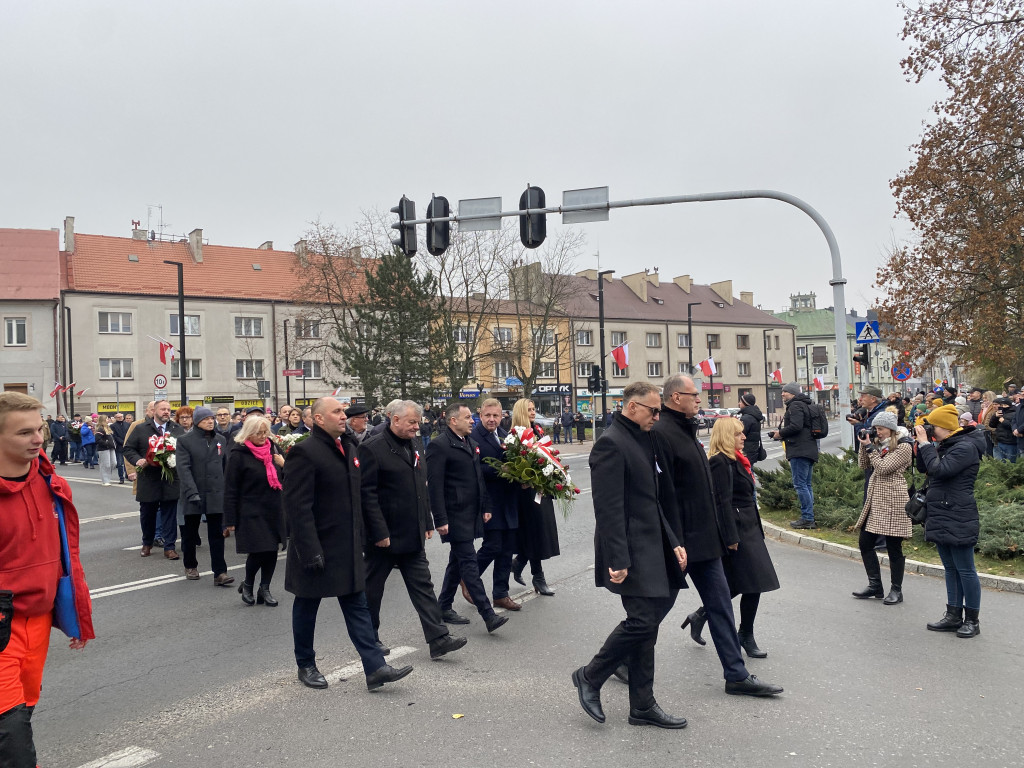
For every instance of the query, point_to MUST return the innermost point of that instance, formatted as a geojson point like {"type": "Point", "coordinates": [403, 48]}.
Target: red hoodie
{"type": "Point", "coordinates": [30, 544]}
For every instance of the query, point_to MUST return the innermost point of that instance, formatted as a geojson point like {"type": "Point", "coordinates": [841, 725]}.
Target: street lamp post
{"type": "Point", "coordinates": [287, 379]}
{"type": "Point", "coordinates": [558, 381]}
{"type": "Point", "coordinates": [689, 331]}
{"type": "Point", "coordinates": [182, 367]}
{"type": "Point", "coordinates": [764, 334]}
{"type": "Point", "coordinates": [600, 324]}
{"type": "Point", "coordinates": [69, 361]}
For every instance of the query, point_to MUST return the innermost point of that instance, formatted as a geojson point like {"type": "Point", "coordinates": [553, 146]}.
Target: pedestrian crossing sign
{"type": "Point", "coordinates": [867, 332]}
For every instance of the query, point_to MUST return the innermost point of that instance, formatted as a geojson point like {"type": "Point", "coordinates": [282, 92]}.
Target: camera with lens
{"type": "Point", "coordinates": [772, 434]}
{"type": "Point", "coordinates": [929, 430]}
{"type": "Point", "coordinates": [869, 432]}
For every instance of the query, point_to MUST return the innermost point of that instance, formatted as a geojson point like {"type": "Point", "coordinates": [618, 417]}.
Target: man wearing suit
{"type": "Point", "coordinates": [325, 528]}
{"type": "Point", "coordinates": [158, 498]}
{"type": "Point", "coordinates": [459, 501]}
{"type": "Point", "coordinates": [499, 543]}
{"type": "Point", "coordinates": [637, 555]}
{"type": "Point", "coordinates": [396, 511]}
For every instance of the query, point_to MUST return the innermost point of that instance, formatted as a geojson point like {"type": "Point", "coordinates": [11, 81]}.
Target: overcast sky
{"type": "Point", "coordinates": [250, 119]}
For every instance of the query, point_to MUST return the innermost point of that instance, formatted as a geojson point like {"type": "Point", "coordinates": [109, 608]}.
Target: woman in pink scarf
{"type": "Point", "coordinates": [252, 506]}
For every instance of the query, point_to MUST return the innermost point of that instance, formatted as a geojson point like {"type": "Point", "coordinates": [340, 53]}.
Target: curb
{"type": "Point", "coordinates": [772, 531]}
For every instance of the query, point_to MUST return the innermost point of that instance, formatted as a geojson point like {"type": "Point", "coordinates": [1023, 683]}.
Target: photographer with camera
{"type": "Point", "coordinates": [801, 450]}
{"type": "Point", "coordinates": [950, 457]}
{"type": "Point", "coordinates": [887, 455]}
{"type": "Point", "coordinates": [1003, 438]}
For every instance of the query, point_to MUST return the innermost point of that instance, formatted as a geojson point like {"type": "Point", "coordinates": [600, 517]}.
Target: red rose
{"type": "Point", "coordinates": [540, 462]}
{"type": "Point", "coordinates": [559, 486]}
{"type": "Point", "coordinates": [575, 490]}
{"type": "Point", "coordinates": [523, 453]}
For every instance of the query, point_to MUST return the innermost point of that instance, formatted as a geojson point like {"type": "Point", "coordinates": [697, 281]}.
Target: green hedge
{"type": "Point", "coordinates": [839, 492]}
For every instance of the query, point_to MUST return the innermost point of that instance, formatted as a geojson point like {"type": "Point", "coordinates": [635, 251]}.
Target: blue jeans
{"type": "Point", "coordinates": [802, 469]}
{"type": "Point", "coordinates": [1005, 452]}
{"type": "Point", "coordinates": [89, 457]}
{"type": "Point", "coordinates": [357, 621]}
{"type": "Point", "coordinates": [568, 434]}
{"type": "Point", "coordinates": [962, 584]}
{"type": "Point", "coordinates": [73, 449]}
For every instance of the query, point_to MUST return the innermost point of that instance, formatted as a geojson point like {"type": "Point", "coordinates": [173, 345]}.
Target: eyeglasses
{"type": "Point", "coordinates": [692, 394]}
{"type": "Point", "coordinates": [654, 411]}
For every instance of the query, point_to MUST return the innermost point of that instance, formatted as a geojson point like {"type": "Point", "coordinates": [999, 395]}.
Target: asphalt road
{"type": "Point", "coordinates": [183, 674]}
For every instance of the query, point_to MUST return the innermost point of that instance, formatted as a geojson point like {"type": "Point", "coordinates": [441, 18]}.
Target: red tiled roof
{"type": "Point", "coordinates": [29, 264]}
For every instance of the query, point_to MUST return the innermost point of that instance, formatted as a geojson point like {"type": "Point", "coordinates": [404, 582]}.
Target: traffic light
{"type": "Point", "coordinates": [860, 355]}
{"type": "Point", "coordinates": [594, 382]}
{"type": "Point", "coordinates": [533, 228]}
{"type": "Point", "coordinates": [406, 241]}
{"type": "Point", "coordinates": [438, 233]}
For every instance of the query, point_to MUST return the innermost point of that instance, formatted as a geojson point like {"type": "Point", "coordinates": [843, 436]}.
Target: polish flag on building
{"type": "Point", "coordinates": [82, 392]}
{"type": "Point", "coordinates": [621, 356]}
{"type": "Point", "coordinates": [819, 384]}
{"type": "Point", "coordinates": [166, 352]}
{"type": "Point", "coordinates": [777, 375]}
{"type": "Point", "coordinates": [57, 389]}
{"type": "Point", "coordinates": [337, 391]}
{"type": "Point", "coordinates": [708, 367]}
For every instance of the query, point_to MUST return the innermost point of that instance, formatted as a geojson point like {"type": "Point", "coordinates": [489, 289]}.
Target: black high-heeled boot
{"type": "Point", "coordinates": [696, 622]}
{"type": "Point", "coordinates": [263, 596]}
{"type": "Point", "coordinates": [540, 585]}
{"type": "Point", "coordinates": [517, 570]}
{"type": "Point", "coordinates": [245, 590]}
{"type": "Point", "coordinates": [749, 644]}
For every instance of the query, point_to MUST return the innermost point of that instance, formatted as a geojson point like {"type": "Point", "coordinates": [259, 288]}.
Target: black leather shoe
{"type": "Point", "coordinates": [872, 590]}
{"type": "Point", "coordinates": [451, 617]}
{"type": "Point", "coordinates": [951, 620]}
{"type": "Point", "coordinates": [311, 677]}
{"type": "Point", "coordinates": [895, 596]}
{"type": "Point", "coordinates": [696, 622]}
{"type": "Point", "coordinates": [383, 648]}
{"type": "Point", "coordinates": [386, 674]}
{"type": "Point", "coordinates": [494, 621]}
{"type": "Point", "coordinates": [752, 687]}
{"type": "Point", "coordinates": [540, 586]}
{"type": "Point", "coordinates": [517, 570]}
{"type": "Point", "coordinates": [622, 673]}
{"type": "Point", "coordinates": [245, 590]}
{"type": "Point", "coordinates": [446, 644]}
{"type": "Point", "coordinates": [801, 523]}
{"type": "Point", "coordinates": [655, 716]}
{"type": "Point", "coordinates": [263, 596]}
{"type": "Point", "coordinates": [590, 697]}
{"type": "Point", "coordinates": [749, 644]}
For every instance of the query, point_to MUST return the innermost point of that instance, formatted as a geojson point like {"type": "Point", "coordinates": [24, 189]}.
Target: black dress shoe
{"type": "Point", "coordinates": [801, 523]}
{"type": "Point", "coordinates": [494, 621]}
{"type": "Point", "coordinates": [655, 716]}
{"type": "Point", "coordinates": [445, 644]}
{"type": "Point", "coordinates": [590, 697]}
{"type": "Point", "coordinates": [622, 673]}
{"type": "Point", "coordinates": [383, 648]}
{"type": "Point", "coordinates": [311, 677]}
{"type": "Point", "coordinates": [386, 674]}
{"type": "Point", "coordinates": [451, 617]}
{"type": "Point", "coordinates": [752, 687]}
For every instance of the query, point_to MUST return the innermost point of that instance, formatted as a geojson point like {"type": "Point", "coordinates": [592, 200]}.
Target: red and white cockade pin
{"type": "Point", "coordinates": [356, 462]}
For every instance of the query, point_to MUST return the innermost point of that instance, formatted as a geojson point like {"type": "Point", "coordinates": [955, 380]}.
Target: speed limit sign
{"type": "Point", "coordinates": [159, 381]}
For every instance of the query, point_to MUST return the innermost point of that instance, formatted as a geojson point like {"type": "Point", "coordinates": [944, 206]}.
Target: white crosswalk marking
{"type": "Point", "coordinates": [129, 757]}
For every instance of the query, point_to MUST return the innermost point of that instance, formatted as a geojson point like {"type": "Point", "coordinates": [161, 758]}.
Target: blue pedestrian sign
{"type": "Point", "coordinates": [513, 381]}
{"type": "Point", "coordinates": [867, 332]}
{"type": "Point", "coordinates": [902, 371]}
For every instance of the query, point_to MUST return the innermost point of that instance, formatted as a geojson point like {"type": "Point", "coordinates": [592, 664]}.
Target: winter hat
{"type": "Point", "coordinates": [748, 398]}
{"type": "Point", "coordinates": [945, 417]}
{"type": "Point", "coordinates": [793, 388]}
{"type": "Point", "coordinates": [202, 412]}
{"type": "Point", "coordinates": [960, 400]}
{"type": "Point", "coordinates": [967, 420]}
{"type": "Point", "coordinates": [885, 419]}
{"type": "Point", "coordinates": [873, 391]}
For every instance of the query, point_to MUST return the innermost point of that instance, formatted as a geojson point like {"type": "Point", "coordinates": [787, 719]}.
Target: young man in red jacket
{"type": "Point", "coordinates": [30, 566]}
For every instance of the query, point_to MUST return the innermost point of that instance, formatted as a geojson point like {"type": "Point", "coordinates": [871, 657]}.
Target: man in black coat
{"type": "Point", "coordinates": [59, 434]}
{"type": "Point", "coordinates": [752, 419]}
{"type": "Point", "coordinates": [499, 545]}
{"type": "Point", "coordinates": [158, 498]}
{"type": "Point", "coordinates": [396, 511]}
{"type": "Point", "coordinates": [707, 530]}
{"type": "Point", "coordinates": [638, 555]}
{"type": "Point", "coordinates": [801, 449]}
{"type": "Point", "coordinates": [325, 529]}
{"type": "Point", "coordinates": [459, 501]}
{"type": "Point", "coordinates": [119, 429]}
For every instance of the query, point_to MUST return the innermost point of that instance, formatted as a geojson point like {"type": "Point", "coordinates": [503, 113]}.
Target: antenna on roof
{"type": "Point", "coordinates": [149, 220]}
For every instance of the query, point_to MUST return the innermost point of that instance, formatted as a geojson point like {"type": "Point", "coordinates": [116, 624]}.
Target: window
{"type": "Point", "coordinates": [310, 369]}
{"type": "Point", "coordinates": [193, 368]}
{"type": "Point", "coordinates": [115, 368]}
{"type": "Point", "coordinates": [471, 371]}
{"type": "Point", "coordinates": [502, 369]}
{"type": "Point", "coordinates": [463, 334]}
{"type": "Point", "coordinates": [14, 332]}
{"type": "Point", "coordinates": [685, 368]}
{"type": "Point", "coordinates": [584, 369]}
{"type": "Point", "coordinates": [801, 374]}
{"type": "Point", "coordinates": [307, 329]}
{"type": "Point", "coordinates": [800, 351]}
{"type": "Point", "coordinates": [821, 370]}
{"type": "Point", "coordinates": [248, 369]}
{"type": "Point", "coordinates": [546, 371]}
{"type": "Point", "coordinates": [819, 356]}
{"type": "Point", "coordinates": [115, 322]}
{"type": "Point", "coordinates": [713, 341]}
{"type": "Point", "coordinates": [191, 326]}
{"type": "Point", "coordinates": [502, 335]}
{"type": "Point", "coordinates": [543, 337]}
{"type": "Point", "coordinates": [776, 342]}
{"type": "Point", "coordinates": [742, 341]}
{"type": "Point", "coordinates": [653, 339]}
{"type": "Point", "coordinates": [584, 339]}
{"type": "Point", "coordinates": [742, 369]}
{"type": "Point", "coordinates": [618, 373]}
{"type": "Point", "coordinates": [683, 340]}
{"type": "Point", "coordinates": [618, 338]}
{"type": "Point", "coordinates": [248, 326]}
{"type": "Point", "coordinates": [654, 370]}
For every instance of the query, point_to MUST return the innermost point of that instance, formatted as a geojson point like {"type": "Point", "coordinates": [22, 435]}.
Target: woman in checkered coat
{"type": "Point", "coordinates": [888, 455]}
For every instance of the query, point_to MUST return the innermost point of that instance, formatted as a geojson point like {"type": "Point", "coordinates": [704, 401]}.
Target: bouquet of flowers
{"type": "Point", "coordinates": [161, 454]}
{"type": "Point", "coordinates": [285, 442]}
{"type": "Point", "coordinates": [531, 461]}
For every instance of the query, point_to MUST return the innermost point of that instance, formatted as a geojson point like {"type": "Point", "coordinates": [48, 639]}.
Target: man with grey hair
{"type": "Point", "coordinates": [158, 498]}
{"type": "Point", "coordinates": [388, 410]}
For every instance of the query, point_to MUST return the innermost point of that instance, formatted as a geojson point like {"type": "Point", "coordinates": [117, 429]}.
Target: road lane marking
{"type": "Point", "coordinates": [356, 667]}
{"type": "Point", "coordinates": [129, 757]}
{"type": "Point", "coordinates": [118, 516]}
{"type": "Point", "coordinates": [156, 581]}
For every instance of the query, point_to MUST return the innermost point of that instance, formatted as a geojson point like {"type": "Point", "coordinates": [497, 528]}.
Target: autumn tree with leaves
{"type": "Point", "coordinates": [958, 287]}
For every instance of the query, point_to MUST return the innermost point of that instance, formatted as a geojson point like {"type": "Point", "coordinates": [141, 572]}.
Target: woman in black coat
{"type": "Point", "coordinates": [252, 506]}
{"type": "Point", "coordinates": [581, 426]}
{"type": "Point", "coordinates": [537, 535]}
{"type": "Point", "coordinates": [749, 568]}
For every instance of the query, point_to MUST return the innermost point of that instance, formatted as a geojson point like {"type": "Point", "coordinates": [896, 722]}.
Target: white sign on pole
{"type": "Point", "coordinates": [478, 205]}
{"type": "Point", "coordinates": [590, 196]}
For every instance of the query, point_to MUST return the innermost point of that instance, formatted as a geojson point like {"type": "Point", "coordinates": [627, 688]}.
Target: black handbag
{"type": "Point", "coordinates": [917, 507]}
{"type": "Point", "coordinates": [762, 454]}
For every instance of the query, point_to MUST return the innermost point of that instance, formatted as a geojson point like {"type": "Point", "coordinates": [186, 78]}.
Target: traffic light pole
{"type": "Point", "coordinates": [600, 325]}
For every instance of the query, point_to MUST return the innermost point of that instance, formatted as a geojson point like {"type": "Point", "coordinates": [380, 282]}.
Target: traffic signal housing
{"type": "Point", "coordinates": [594, 382]}
{"type": "Point", "coordinates": [406, 240]}
{"type": "Point", "coordinates": [860, 355]}
{"type": "Point", "coordinates": [438, 233]}
{"type": "Point", "coordinates": [533, 228]}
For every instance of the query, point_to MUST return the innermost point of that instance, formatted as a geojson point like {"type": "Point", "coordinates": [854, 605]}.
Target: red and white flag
{"type": "Point", "coordinates": [337, 391]}
{"type": "Point", "coordinates": [166, 352]}
{"type": "Point", "coordinates": [82, 392]}
{"type": "Point", "coordinates": [777, 375]}
{"type": "Point", "coordinates": [819, 383]}
{"type": "Point", "coordinates": [621, 356]}
{"type": "Point", "coordinates": [708, 367]}
{"type": "Point", "coordinates": [57, 389]}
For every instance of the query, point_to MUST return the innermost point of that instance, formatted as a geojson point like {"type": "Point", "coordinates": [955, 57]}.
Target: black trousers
{"type": "Point", "coordinates": [59, 452]}
{"type": "Point", "coordinates": [357, 622]}
{"type": "Point", "coordinates": [415, 572]}
{"type": "Point", "coordinates": [17, 749]}
{"type": "Point", "coordinates": [632, 643]}
{"type": "Point", "coordinates": [215, 535]}
{"type": "Point", "coordinates": [712, 586]}
{"type": "Point", "coordinates": [498, 547]}
{"type": "Point", "coordinates": [897, 560]}
{"type": "Point", "coordinates": [462, 567]}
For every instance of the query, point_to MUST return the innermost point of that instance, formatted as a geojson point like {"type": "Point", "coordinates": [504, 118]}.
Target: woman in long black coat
{"type": "Point", "coordinates": [537, 536]}
{"type": "Point", "coordinates": [252, 506]}
{"type": "Point", "coordinates": [749, 568]}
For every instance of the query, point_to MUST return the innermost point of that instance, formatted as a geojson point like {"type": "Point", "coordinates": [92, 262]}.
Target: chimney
{"type": "Point", "coordinates": [637, 283]}
{"type": "Point", "coordinates": [723, 289]}
{"type": "Point", "coordinates": [589, 274]}
{"type": "Point", "coordinates": [140, 234]}
{"type": "Point", "coordinates": [747, 297]}
{"type": "Point", "coordinates": [684, 282]}
{"type": "Point", "coordinates": [267, 246]}
{"type": "Point", "coordinates": [69, 234]}
{"type": "Point", "coordinates": [302, 254]}
{"type": "Point", "coordinates": [195, 245]}
{"type": "Point", "coordinates": [654, 280]}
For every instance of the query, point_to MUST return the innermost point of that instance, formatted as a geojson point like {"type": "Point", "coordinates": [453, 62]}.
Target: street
{"type": "Point", "coordinates": [183, 674]}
